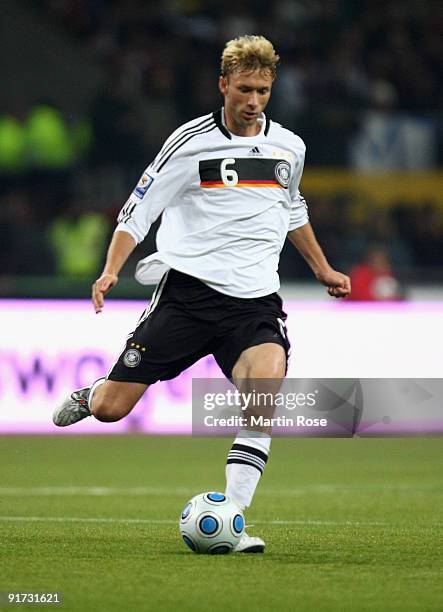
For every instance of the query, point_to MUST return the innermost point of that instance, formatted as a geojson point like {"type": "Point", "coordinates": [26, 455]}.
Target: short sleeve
{"type": "Point", "coordinates": [299, 212]}
{"type": "Point", "coordinates": [299, 209]}
{"type": "Point", "coordinates": [152, 194]}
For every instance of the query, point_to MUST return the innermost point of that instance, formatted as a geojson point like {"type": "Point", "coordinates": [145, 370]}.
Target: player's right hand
{"type": "Point", "coordinates": [100, 288]}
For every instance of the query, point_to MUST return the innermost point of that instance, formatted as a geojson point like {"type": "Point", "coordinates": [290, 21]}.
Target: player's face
{"type": "Point", "coordinates": [246, 94]}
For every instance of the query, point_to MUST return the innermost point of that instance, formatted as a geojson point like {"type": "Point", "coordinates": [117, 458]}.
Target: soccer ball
{"type": "Point", "coordinates": [211, 523]}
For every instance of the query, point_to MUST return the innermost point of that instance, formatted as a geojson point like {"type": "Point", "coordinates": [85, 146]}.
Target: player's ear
{"type": "Point", "coordinates": [223, 84]}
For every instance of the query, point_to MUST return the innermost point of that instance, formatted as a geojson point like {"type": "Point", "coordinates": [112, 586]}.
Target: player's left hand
{"type": "Point", "coordinates": [338, 284]}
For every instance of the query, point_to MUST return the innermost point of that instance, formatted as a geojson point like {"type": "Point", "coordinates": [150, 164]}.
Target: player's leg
{"type": "Point", "coordinates": [259, 369]}
{"type": "Point", "coordinates": [106, 400]}
{"type": "Point", "coordinates": [255, 358]}
{"type": "Point", "coordinates": [267, 360]}
{"type": "Point", "coordinates": [114, 400]}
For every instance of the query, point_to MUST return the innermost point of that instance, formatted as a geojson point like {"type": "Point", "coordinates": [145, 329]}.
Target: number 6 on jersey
{"type": "Point", "coordinates": [229, 177]}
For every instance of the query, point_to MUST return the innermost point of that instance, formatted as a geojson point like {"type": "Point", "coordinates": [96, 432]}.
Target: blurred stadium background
{"type": "Point", "coordinates": [91, 88]}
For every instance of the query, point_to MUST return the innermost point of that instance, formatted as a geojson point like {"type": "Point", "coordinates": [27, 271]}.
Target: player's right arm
{"type": "Point", "coordinates": [157, 188]}
{"type": "Point", "coordinates": [121, 246]}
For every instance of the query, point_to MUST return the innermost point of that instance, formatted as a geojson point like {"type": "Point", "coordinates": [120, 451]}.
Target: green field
{"type": "Point", "coordinates": [350, 525]}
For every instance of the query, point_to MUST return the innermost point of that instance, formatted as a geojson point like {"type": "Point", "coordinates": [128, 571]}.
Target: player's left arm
{"type": "Point", "coordinates": [301, 234]}
{"type": "Point", "coordinates": [304, 240]}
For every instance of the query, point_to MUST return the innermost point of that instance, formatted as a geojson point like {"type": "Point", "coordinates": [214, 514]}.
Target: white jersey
{"type": "Point", "coordinates": [227, 201]}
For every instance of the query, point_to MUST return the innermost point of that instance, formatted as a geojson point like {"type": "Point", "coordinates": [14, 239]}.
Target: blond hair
{"type": "Point", "coordinates": [249, 53]}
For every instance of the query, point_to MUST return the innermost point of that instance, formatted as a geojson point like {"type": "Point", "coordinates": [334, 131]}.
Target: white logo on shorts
{"type": "Point", "coordinates": [132, 358]}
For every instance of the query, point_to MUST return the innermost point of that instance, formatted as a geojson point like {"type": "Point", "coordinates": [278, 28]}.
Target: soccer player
{"type": "Point", "coordinates": [227, 185]}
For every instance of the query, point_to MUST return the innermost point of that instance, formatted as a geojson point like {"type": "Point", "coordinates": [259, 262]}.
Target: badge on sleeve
{"type": "Point", "coordinates": [143, 185]}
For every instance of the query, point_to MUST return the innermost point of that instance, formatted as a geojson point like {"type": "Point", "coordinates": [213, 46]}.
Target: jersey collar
{"type": "Point", "coordinates": [219, 122]}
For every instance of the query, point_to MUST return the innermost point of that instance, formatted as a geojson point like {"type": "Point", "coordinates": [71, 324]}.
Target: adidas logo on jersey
{"type": "Point", "coordinates": [255, 152]}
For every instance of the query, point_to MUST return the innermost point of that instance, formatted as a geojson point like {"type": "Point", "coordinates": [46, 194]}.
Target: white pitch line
{"type": "Point", "coordinates": [98, 491]}
{"type": "Point", "coordinates": [276, 522]}
{"type": "Point", "coordinates": [75, 519]}
{"type": "Point", "coordinates": [91, 491]}
{"type": "Point", "coordinates": [81, 519]}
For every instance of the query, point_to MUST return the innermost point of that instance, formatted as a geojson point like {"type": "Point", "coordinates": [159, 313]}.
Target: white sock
{"type": "Point", "coordinates": [245, 464]}
{"type": "Point", "coordinates": [97, 383]}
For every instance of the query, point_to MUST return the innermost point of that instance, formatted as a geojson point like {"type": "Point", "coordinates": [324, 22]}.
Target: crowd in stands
{"type": "Point", "coordinates": [359, 81]}
{"type": "Point", "coordinates": [340, 59]}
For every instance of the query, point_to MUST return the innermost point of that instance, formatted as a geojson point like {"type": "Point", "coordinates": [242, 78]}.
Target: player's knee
{"type": "Point", "coordinates": [108, 409]}
{"type": "Point", "coordinates": [262, 361]}
{"type": "Point", "coordinates": [275, 369]}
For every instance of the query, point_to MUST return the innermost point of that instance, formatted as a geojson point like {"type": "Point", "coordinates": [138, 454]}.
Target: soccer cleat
{"type": "Point", "coordinates": [74, 408]}
{"type": "Point", "coordinates": [250, 544]}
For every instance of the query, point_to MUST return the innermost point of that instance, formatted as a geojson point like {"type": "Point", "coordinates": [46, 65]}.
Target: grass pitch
{"type": "Point", "coordinates": [350, 525]}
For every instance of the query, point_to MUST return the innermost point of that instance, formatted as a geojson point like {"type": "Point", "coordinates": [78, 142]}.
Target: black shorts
{"type": "Point", "coordinates": [187, 320]}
